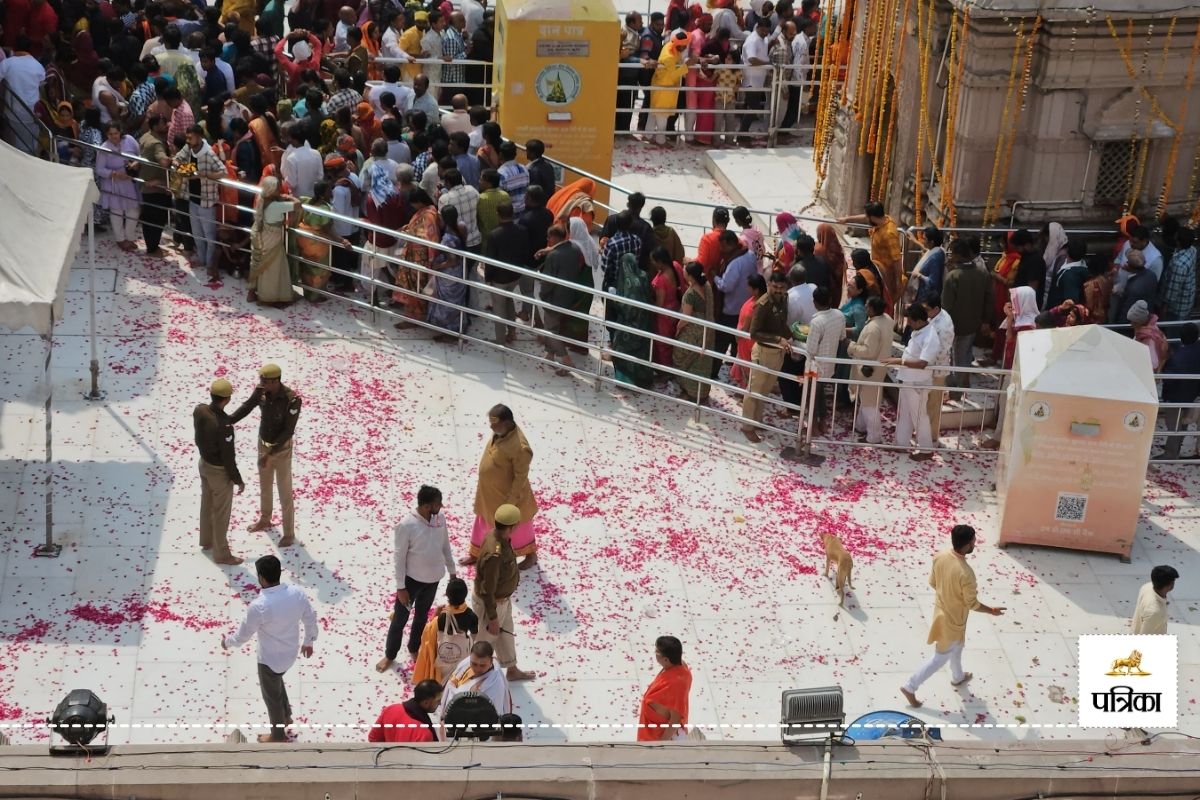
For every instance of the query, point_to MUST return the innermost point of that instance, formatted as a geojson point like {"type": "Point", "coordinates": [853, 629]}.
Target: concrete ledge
{"type": "Point", "coordinates": [769, 179]}
{"type": "Point", "coordinates": [893, 770]}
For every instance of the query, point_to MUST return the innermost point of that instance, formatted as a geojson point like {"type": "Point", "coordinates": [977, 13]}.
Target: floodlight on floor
{"type": "Point", "coordinates": [79, 718]}
{"type": "Point", "coordinates": [471, 715]}
{"type": "Point", "coordinates": [811, 714]}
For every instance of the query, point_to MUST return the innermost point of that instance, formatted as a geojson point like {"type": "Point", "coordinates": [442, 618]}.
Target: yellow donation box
{"type": "Point", "coordinates": [1078, 426]}
{"type": "Point", "coordinates": [556, 79]}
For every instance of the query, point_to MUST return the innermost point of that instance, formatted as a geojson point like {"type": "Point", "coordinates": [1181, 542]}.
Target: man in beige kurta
{"type": "Point", "coordinates": [953, 583]}
{"type": "Point", "coordinates": [504, 479]}
{"type": "Point", "coordinates": [1150, 614]}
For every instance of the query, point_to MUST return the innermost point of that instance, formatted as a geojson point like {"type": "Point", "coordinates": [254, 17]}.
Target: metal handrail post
{"type": "Point", "coordinates": [94, 367]}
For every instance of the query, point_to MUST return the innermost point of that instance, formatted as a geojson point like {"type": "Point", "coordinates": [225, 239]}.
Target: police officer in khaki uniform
{"type": "Point", "coordinates": [218, 471]}
{"type": "Point", "coordinates": [280, 407]}
{"type": "Point", "coordinates": [496, 578]}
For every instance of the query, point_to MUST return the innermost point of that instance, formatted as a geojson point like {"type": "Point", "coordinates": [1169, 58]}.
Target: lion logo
{"type": "Point", "coordinates": [1128, 666]}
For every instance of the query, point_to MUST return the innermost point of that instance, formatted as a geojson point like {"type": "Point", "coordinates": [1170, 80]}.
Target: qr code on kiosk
{"type": "Point", "coordinates": [1071, 507]}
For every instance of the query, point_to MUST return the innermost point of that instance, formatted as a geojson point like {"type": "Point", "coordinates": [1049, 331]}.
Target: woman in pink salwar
{"type": "Point", "coordinates": [696, 43]}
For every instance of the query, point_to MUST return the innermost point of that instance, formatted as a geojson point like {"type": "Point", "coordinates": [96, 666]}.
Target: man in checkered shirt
{"type": "Point", "coordinates": [203, 197]}
{"type": "Point", "coordinates": [454, 48]}
{"type": "Point", "coordinates": [344, 97]}
{"type": "Point", "coordinates": [620, 243]}
{"type": "Point", "coordinates": [466, 200]}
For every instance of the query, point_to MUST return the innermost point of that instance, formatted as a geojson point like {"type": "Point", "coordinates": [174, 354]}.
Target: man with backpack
{"type": "Point", "coordinates": [422, 558]}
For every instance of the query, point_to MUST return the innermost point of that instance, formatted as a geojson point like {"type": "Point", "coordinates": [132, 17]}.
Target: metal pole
{"type": "Point", "coordinates": [95, 393]}
{"type": "Point", "coordinates": [49, 549]}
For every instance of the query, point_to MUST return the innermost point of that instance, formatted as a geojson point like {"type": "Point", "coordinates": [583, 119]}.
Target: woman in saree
{"type": "Point", "coordinates": [575, 327]}
{"type": "Point", "coordinates": [632, 285]}
{"type": "Point", "coordinates": [446, 289]}
{"type": "Point", "coordinates": [574, 200]}
{"type": "Point", "coordinates": [745, 345]}
{"type": "Point", "coordinates": [312, 254]}
{"type": "Point", "coordinates": [663, 714]}
{"type": "Point", "coordinates": [1004, 274]}
{"type": "Point", "coordinates": [1020, 314]}
{"type": "Point", "coordinates": [860, 261]}
{"type": "Point", "coordinates": [697, 303]}
{"type": "Point", "coordinates": [264, 131]}
{"type": "Point", "coordinates": [666, 286]}
{"type": "Point", "coordinates": [372, 37]}
{"type": "Point", "coordinates": [364, 119]}
{"type": "Point", "coordinates": [424, 225]}
{"type": "Point", "coordinates": [829, 247]}
{"type": "Point", "coordinates": [789, 233]}
{"type": "Point", "coordinates": [270, 280]}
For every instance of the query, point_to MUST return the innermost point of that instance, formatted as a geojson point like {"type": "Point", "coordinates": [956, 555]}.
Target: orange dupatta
{"type": "Point", "coordinates": [669, 688]}
{"type": "Point", "coordinates": [374, 71]}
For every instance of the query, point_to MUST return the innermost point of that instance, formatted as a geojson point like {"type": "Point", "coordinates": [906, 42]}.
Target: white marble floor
{"type": "Point", "coordinates": [651, 524]}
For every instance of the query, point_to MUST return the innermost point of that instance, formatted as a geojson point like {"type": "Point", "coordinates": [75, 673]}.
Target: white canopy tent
{"type": "Point", "coordinates": [43, 209]}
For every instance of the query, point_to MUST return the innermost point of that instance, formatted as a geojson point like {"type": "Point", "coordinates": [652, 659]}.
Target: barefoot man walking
{"type": "Point", "coordinates": [504, 479]}
{"type": "Point", "coordinates": [280, 408]}
{"type": "Point", "coordinates": [953, 581]}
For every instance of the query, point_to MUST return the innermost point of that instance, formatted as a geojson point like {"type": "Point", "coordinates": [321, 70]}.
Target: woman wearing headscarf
{"type": "Point", "coordinates": [364, 118]}
{"type": "Point", "coordinates": [270, 280]}
{"type": "Point", "coordinates": [860, 261]}
{"type": "Point", "coordinates": [829, 247]}
{"type": "Point", "coordinates": [574, 200]}
{"type": "Point", "coordinates": [1054, 253]}
{"type": "Point", "coordinates": [372, 37]}
{"type": "Point", "coordinates": [1004, 274]}
{"type": "Point", "coordinates": [1146, 331]}
{"type": "Point", "coordinates": [313, 250]}
{"type": "Point", "coordinates": [452, 267]}
{"type": "Point", "coordinates": [576, 327]}
{"type": "Point", "coordinates": [425, 225]}
{"type": "Point", "coordinates": [697, 303]}
{"type": "Point", "coordinates": [383, 207]}
{"type": "Point", "coordinates": [83, 71]}
{"type": "Point", "coordinates": [1020, 314]}
{"type": "Point", "coordinates": [632, 285]}
{"type": "Point", "coordinates": [785, 249]}
{"type": "Point", "coordinates": [265, 132]}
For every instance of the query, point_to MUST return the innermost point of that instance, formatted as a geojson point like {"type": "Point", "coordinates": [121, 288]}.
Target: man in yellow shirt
{"type": "Point", "coordinates": [953, 582]}
{"type": "Point", "coordinates": [410, 43]}
{"type": "Point", "coordinates": [885, 244]}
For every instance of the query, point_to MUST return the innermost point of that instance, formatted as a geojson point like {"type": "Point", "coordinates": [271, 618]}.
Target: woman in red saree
{"type": "Point", "coordinates": [663, 714]}
{"type": "Point", "coordinates": [713, 52]}
{"type": "Point", "coordinates": [666, 283]}
{"type": "Point", "coordinates": [1004, 274]}
{"type": "Point", "coordinates": [372, 36]}
{"type": "Point", "coordinates": [745, 346]}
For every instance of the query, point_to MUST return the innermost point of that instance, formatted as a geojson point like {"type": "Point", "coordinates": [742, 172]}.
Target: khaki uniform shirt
{"type": "Point", "coordinates": [768, 322]}
{"type": "Point", "coordinates": [214, 439]}
{"type": "Point", "coordinates": [953, 581]}
{"type": "Point", "coordinates": [280, 411]}
{"type": "Point", "coordinates": [496, 573]}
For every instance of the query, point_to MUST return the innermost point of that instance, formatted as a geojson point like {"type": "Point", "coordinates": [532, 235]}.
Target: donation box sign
{"type": "Point", "coordinates": [1078, 426]}
{"type": "Point", "coordinates": [556, 79]}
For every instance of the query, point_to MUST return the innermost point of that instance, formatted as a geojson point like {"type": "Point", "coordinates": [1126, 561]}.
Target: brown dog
{"type": "Point", "coordinates": [835, 553]}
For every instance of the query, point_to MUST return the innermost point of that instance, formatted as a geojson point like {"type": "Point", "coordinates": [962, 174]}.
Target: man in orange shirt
{"type": "Point", "coordinates": [409, 721]}
{"type": "Point", "coordinates": [708, 253]}
{"type": "Point", "coordinates": [885, 244]}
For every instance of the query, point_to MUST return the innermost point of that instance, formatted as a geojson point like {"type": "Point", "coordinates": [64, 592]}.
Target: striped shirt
{"type": "Point", "coordinates": [514, 179]}
{"type": "Point", "coordinates": [466, 200]}
{"type": "Point", "coordinates": [454, 48]}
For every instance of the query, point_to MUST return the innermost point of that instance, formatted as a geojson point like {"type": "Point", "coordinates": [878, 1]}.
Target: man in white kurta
{"type": "Point", "coordinates": [479, 672]}
{"type": "Point", "coordinates": [1150, 614]}
{"type": "Point", "coordinates": [953, 581]}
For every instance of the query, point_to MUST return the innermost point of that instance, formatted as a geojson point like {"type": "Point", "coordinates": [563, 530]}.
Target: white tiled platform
{"type": "Point", "coordinates": [651, 524]}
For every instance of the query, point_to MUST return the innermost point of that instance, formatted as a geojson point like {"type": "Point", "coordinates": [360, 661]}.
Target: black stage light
{"type": "Point", "coordinates": [78, 719]}
{"type": "Point", "coordinates": [471, 715]}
